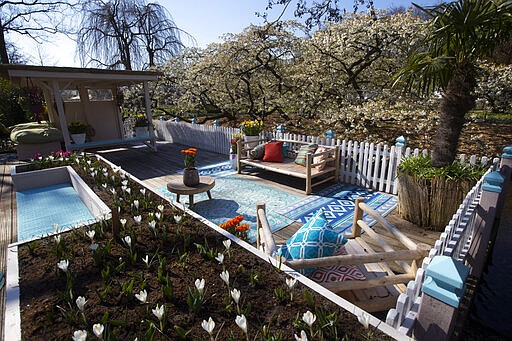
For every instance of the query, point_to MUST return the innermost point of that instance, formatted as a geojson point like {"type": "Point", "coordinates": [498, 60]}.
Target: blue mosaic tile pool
{"type": "Point", "coordinates": [40, 208]}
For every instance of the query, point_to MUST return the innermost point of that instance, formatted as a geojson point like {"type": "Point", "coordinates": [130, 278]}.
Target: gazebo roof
{"type": "Point", "coordinates": [18, 72]}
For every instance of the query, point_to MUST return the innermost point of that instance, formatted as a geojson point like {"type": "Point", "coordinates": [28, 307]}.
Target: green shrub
{"type": "Point", "coordinates": [421, 166]}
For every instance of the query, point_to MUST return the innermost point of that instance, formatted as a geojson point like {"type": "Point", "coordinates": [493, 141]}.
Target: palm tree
{"type": "Point", "coordinates": [460, 33]}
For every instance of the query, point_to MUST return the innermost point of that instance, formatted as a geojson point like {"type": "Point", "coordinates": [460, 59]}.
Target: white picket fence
{"type": "Point", "coordinates": [453, 242]}
{"type": "Point", "coordinates": [364, 164]}
{"type": "Point", "coordinates": [206, 137]}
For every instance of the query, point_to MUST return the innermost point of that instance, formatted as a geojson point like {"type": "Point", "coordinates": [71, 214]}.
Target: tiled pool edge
{"type": "Point", "coordinates": [56, 175]}
{"type": "Point", "coordinates": [348, 306]}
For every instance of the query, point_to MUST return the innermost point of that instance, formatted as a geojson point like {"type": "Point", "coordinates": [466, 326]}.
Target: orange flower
{"type": "Point", "coordinates": [242, 228]}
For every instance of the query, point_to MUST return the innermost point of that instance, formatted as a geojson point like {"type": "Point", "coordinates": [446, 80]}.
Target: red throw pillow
{"type": "Point", "coordinates": [273, 152]}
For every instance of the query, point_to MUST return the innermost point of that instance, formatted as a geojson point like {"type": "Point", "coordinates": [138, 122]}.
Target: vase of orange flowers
{"type": "Point", "coordinates": [190, 173]}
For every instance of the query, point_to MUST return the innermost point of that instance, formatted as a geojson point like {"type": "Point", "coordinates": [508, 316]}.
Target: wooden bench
{"type": "Point", "coordinates": [289, 167]}
{"type": "Point", "coordinates": [382, 286]}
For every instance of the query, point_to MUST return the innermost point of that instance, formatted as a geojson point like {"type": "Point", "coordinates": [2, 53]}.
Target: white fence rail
{"type": "Point", "coordinates": [207, 137]}
{"type": "Point", "coordinates": [363, 164]}
{"type": "Point", "coordinates": [453, 242]}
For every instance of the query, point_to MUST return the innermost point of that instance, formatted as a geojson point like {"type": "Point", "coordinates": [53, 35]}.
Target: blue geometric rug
{"type": "Point", "coordinates": [337, 201]}
{"type": "Point", "coordinates": [234, 196]}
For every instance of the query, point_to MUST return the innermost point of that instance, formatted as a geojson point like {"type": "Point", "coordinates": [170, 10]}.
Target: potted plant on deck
{"type": "Point", "coordinates": [77, 130]}
{"type": "Point", "coordinates": [141, 126]}
{"type": "Point", "coordinates": [252, 130]}
{"type": "Point", "coordinates": [190, 173]}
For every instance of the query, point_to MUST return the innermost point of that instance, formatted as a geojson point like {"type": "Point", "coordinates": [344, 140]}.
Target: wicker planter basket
{"type": "Point", "coordinates": [430, 203]}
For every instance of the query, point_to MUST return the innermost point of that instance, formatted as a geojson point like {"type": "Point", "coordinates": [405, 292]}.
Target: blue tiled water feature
{"type": "Point", "coordinates": [40, 208]}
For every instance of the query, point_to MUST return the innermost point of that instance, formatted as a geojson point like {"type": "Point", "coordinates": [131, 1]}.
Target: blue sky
{"type": "Point", "coordinates": [205, 20]}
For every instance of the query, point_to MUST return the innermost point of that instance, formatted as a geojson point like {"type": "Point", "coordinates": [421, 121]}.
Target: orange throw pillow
{"type": "Point", "coordinates": [273, 152]}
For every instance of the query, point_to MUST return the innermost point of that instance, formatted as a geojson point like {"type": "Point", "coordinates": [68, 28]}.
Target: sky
{"type": "Point", "coordinates": [205, 20]}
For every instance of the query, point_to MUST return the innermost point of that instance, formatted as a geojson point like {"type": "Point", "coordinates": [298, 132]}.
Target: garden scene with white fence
{"type": "Point", "coordinates": [333, 171]}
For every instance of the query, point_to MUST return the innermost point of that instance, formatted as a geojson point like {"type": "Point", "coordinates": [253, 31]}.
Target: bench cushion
{"type": "Point", "coordinates": [273, 152]}
{"type": "Point", "coordinates": [337, 273]}
{"type": "Point", "coordinates": [315, 239]}
{"type": "Point", "coordinates": [257, 152]}
{"type": "Point", "coordinates": [301, 154]}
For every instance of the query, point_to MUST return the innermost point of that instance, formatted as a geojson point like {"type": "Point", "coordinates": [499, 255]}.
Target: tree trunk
{"type": "Point", "coordinates": [456, 102]}
{"type": "Point", "coordinates": [4, 56]}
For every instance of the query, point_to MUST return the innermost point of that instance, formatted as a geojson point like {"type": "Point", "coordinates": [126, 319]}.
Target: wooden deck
{"type": "Point", "coordinates": [154, 168]}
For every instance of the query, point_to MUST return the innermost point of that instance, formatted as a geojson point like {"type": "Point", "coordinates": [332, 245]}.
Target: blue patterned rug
{"type": "Point", "coordinates": [234, 196]}
{"type": "Point", "coordinates": [337, 201]}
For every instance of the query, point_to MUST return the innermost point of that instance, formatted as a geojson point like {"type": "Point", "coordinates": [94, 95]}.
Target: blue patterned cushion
{"type": "Point", "coordinates": [301, 154]}
{"type": "Point", "coordinates": [314, 239]}
{"type": "Point", "coordinates": [257, 152]}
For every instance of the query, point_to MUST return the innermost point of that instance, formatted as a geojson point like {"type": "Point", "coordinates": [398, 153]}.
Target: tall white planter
{"type": "Point", "coordinates": [78, 138]}
{"type": "Point", "coordinates": [250, 139]}
{"type": "Point", "coordinates": [141, 132]}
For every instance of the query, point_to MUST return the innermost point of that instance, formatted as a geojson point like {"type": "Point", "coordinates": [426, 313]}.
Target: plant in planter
{"type": "Point", "coordinates": [77, 130]}
{"type": "Point", "coordinates": [428, 196]}
{"type": "Point", "coordinates": [252, 130]}
{"type": "Point", "coordinates": [446, 61]}
{"type": "Point", "coordinates": [141, 126]}
{"type": "Point", "coordinates": [190, 173]}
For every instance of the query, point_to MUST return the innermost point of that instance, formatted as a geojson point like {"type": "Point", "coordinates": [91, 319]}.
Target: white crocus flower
{"type": "Point", "coordinates": [152, 224]}
{"type": "Point", "coordinates": [128, 190]}
{"type": "Point", "coordinates": [303, 336]}
{"type": "Point", "coordinates": [98, 329]}
{"type": "Point", "coordinates": [208, 325]}
{"type": "Point", "coordinates": [177, 218]}
{"type": "Point", "coordinates": [123, 222]}
{"type": "Point", "coordinates": [224, 275]}
{"type": "Point", "coordinates": [136, 204]}
{"type": "Point", "coordinates": [104, 185]}
{"type": "Point", "coordinates": [94, 246]}
{"type": "Point", "coordinates": [63, 265]}
{"type": "Point", "coordinates": [158, 215]}
{"type": "Point", "coordinates": [227, 243]}
{"type": "Point", "coordinates": [235, 294]}
{"type": "Point", "coordinates": [90, 234]}
{"type": "Point", "coordinates": [142, 191]}
{"type": "Point", "coordinates": [199, 283]}
{"type": "Point", "coordinates": [160, 208]}
{"type": "Point", "coordinates": [146, 260]}
{"type": "Point", "coordinates": [309, 318]}
{"type": "Point", "coordinates": [142, 296]}
{"type": "Point", "coordinates": [158, 311]}
{"type": "Point", "coordinates": [137, 218]}
{"type": "Point", "coordinates": [57, 239]}
{"type": "Point", "coordinates": [123, 188]}
{"type": "Point", "coordinates": [124, 183]}
{"type": "Point", "coordinates": [290, 282]}
{"type": "Point", "coordinates": [128, 241]}
{"type": "Point", "coordinates": [113, 191]}
{"type": "Point", "coordinates": [220, 258]}
{"type": "Point", "coordinates": [80, 303]}
{"type": "Point", "coordinates": [241, 321]}
{"type": "Point", "coordinates": [79, 335]}
{"type": "Point", "coordinates": [364, 319]}
{"type": "Point", "coordinates": [89, 162]}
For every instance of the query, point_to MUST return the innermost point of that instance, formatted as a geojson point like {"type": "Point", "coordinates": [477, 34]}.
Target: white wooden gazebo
{"type": "Point", "coordinates": [90, 95]}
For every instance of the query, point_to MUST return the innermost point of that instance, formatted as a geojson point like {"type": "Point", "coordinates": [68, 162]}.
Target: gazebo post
{"type": "Point", "coordinates": [60, 111]}
{"type": "Point", "coordinates": [149, 116]}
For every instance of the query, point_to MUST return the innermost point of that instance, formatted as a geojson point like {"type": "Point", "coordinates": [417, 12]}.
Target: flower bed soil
{"type": "Point", "coordinates": [49, 311]}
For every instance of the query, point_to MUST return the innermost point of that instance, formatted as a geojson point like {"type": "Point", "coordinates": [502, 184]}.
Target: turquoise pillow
{"type": "Point", "coordinates": [284, 151]}
{"type": "Point", "coordinates": [257, 152]}
{"type": "Point", "coordinates": [314, 239]}
{"type": "Point", "coordinates": [301, 154]}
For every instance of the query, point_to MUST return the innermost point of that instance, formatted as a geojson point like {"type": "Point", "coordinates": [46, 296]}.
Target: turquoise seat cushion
{"type": "Point", "coordinates": [315, 239]}
{"type": "Point", "coordinates": [301, 154]}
